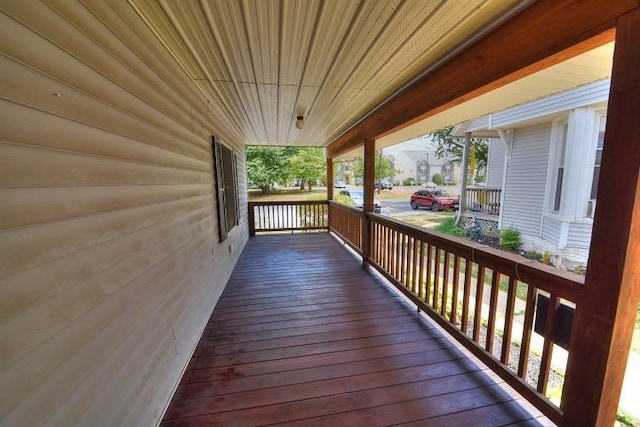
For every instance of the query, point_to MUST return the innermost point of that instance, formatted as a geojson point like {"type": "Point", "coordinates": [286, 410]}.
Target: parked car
{"type": "Point", "coordinates": [429, 185]}
{"type": "Point", "coordinates": [339, 184]}
{"type": "Point", "coordinates": [436, 199]}
{"type": "Point", "coordinates": [357, 197]}
{"type": "Point", "coordinates": [385, 184]}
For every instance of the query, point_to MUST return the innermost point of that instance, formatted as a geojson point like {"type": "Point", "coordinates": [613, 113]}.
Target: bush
{"type": "Point", "coordinates": [449, 226]}
{"type": "Point", "coordinates": [510, 238]}
{"type": "Point", "coordinates": [437, 179]}
{"type": "Point", "coordinates": [409, 181]}
{"type": "Point", "coordinates": [343, 199]}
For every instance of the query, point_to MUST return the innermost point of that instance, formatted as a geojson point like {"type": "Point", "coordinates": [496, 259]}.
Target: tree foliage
{"type": "Point", "coordinates": [266, 165]}
{"type": "Point", "coordinates": [269, 165]}
{"type": "Point", "coordinates": [446, 147]}
{"type": "Point", "coordinates": [383, 167]}
{"type": "Point", "coordinates": [308, 164]}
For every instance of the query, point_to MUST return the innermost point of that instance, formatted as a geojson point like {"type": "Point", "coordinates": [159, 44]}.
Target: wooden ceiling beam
{"type": "Point", "coordinates": [542, 35]}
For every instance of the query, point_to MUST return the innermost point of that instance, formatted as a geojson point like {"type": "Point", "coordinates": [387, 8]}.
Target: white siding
{"type": "Point", "coordinates": [495, 164]}
{"type": "Point", "coordinates": [579, 235]}
{"type": "Point", "coordinates": [526, 179]}
{"type": "Point", "coordinates": [110, 263]}
{"type": "Point", "coordinates": [551, 230]}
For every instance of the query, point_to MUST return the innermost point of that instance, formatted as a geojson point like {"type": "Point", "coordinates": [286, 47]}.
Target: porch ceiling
{"type": "Point", "coordinates": [261, 63]}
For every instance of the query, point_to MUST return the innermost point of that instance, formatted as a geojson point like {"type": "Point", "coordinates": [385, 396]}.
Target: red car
{"type": "Point", "coordinates": [435, 199]}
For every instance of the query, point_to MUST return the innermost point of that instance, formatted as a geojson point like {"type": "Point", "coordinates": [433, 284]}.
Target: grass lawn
{"type": "Point", "coordinates": [320, 193]}
{"type": "Point", "coordinates": [288, 194]}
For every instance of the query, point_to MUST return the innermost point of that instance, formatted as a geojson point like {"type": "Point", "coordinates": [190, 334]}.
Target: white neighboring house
{"type": "Point", "coordinates": [551, 151]}
{"type": "Point", "coordinates": [421, 165]}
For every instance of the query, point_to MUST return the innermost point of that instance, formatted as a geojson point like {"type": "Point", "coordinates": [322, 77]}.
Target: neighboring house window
{"type": "Point", "coordinates": [447, 167]}
{"type": "Point", "coordinates": [224, 161]}
{"type": "Point", "coordinates": [561, 149]}
{"type": "Point", "coordinates": [602, 122]}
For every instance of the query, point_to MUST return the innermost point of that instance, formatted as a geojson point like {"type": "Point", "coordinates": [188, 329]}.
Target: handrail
{"type": "Point", "coordinates": [442, 275]}
{"type": "Point", "coordinates": [300, 215]}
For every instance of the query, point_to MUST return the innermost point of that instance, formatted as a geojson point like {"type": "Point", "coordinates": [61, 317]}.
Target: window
{"type": "Point", "coordinates": [601, 125]}
{"type": "Point", "coordinates": [561, 149]}
{"type": "Point", "coordinates": [599, 145]}
{"type": "Point", "coordinates": [224, 161]}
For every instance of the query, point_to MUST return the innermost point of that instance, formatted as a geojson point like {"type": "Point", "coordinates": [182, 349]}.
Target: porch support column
{"type": "Point", "coordinates": [329, 178]}
{"type": "Point", "coordinates": [604, 318]}
{"type": "Point", "coordinates": [369, 169]}
{"type": "Point", "coordinates": [465, 167]}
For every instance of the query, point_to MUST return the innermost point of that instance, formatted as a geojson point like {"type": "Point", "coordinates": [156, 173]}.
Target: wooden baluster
{"type": "Point", "coordinates": [436, 278]}
{"type": "Point", "coordinates": [477, 315]}
{"type": "Point", "coordinates": [526, 332]}
{"type": "Point", "coordinates": [547, 348]}
{"type": "Point", "coordinates": [453, 318]}
{"type": "Point", "coordinates": [468, 268]}
{"type": "Point", "coordinates": [427, 283]}
{"type": "Point", "coordinates": [403, 257]}
{"type": "Point", "coordinates": [445, 284]}
{"type": "Point", "coordinates": [421, 270]}
{"type": "Point", "coordinates": [508, 321]}
{"type": "Point", "coordinates": [493, 308]}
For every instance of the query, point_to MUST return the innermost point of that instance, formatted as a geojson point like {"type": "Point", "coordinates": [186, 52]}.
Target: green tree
{"type": "Point", "coordinates": [447, 148]}
{"type": "Point", "coordinates": [266, 166]}
{"type": "Point", "coordinates": [308, 164]}
{"type": "Point", "coordinates": [383, 167]}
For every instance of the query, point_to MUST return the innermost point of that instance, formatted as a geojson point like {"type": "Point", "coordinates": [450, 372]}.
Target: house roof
{"type": "Point", "coordinates": [418, 155]}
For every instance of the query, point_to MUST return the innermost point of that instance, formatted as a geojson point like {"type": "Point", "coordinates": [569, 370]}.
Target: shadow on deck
{"type": "Point", "coordinates": [302, 336]}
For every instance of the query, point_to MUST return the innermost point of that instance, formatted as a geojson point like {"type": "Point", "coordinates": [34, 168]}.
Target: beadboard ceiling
{"type": "Point", "coordinates": [261, 63]}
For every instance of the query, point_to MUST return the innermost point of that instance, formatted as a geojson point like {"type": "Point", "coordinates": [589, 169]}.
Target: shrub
{"type": "Point", "coordinates": [343, 198]}
{"type": "Point", "coordinates": [437, 179]}
{"type": "Point", "coordinates": [449, 226]}
{"type": "Point", "coordinates": [510, 238]}
{"type": "Point", "coordinates": [534, 255]}
{"type": "Point", "coordinates": [408, 181]}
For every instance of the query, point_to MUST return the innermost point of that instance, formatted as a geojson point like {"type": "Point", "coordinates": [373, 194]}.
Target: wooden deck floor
{"type": "Point", "coordinates": [302, 336]}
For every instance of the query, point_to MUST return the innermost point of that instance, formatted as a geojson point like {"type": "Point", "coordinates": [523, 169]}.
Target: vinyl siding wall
{"type": "Point", "coordinates": [110, 263]}
{"type": "Point", "coordinates": [580, 234]}
{"type": "Point", "coordinates": [551, 229]}
{"type": "Point", "coordinates": [495, 164]}
{"type": "Point", "coordinates": [526, 179]}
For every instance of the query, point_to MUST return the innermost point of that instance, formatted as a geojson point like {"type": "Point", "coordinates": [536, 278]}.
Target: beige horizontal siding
{"type": "Point", "coordinates": [110, 263]}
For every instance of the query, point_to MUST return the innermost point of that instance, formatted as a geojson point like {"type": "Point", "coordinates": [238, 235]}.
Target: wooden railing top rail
{"type": "Point", "coordinates": [558, 282]}
{"type": "Point", "coordinates": [345, 207]}
{"type": "Point", "coordinates": [287, 202]}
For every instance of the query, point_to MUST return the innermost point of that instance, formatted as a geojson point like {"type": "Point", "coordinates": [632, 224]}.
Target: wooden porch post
{"type": "Point", "coordinates": [369, 170]}
{"type": "Point", "coordinates": [329, 178]}
{"type": "Point", "coordinates": [462, 206]}
{"type": "Point", "coordinates": [605, 316]}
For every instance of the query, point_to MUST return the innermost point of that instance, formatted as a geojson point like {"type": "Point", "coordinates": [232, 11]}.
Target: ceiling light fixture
{"type": "Point", "coordinates": [300, 122]}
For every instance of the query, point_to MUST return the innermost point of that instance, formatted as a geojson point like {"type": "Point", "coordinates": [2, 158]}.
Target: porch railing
{"type": "Point", "coordinates": [487, 299]}
{"type": "Point", "coordinates": [288, 216]}
{"type": "Point", "coordinates": [346, 222]}
{"type": "Point", "coordinates": [484, 200]}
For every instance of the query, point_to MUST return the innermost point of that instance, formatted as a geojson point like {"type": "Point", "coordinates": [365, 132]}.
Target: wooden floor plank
{"type": "Point", "coordinates": [302, 335]}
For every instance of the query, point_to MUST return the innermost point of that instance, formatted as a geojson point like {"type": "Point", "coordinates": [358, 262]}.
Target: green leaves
{"type": "Point", "coordinates": [269, 165]}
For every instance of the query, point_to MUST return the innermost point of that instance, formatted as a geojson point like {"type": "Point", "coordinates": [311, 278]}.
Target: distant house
{"type": "Point", "coordinates": [545, 158]}
{"type": "Point", "coordinates": [422, 165]}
